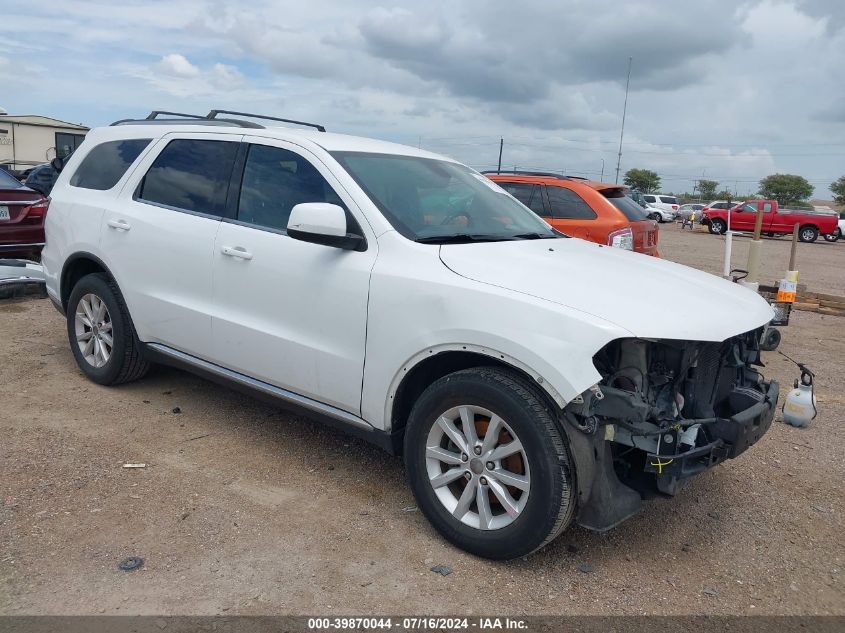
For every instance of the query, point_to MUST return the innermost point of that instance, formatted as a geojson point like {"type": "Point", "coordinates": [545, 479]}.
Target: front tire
{"type": "Point", "coordinates": [717, 226]}
{"type": "Point", "coordinates": [488, 465]}
{"type": "Point", "coordinates": [101, 334]}
{"type": "Point", "coordinates": [834, 237]}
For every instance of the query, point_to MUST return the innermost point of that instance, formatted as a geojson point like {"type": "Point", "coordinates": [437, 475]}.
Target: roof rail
{"type": "Point", "coordinates": [210, 119]}
{"type": "Point", "coordinates": [213, 115]}
{"type": "Point", "coordinates": [186, 119]}
{"type": "Point", "coordinates": [544, 174]}
{"type": "Point", "coordinates": [152, 115]}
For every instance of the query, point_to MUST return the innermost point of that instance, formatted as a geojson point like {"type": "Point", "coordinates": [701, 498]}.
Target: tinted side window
{"type": "Point", "coordinates": [569, 205]}
{"type": "Point", "coordinates": [192, 175]}
{"type": "Point", "coordinates": [529, 195]}
{"type": "Point", "coordinates": [668, 199]}
{"type": "Point", "coordinates": [649, 198]}
{"type": "Point", "coordinates": [106, 163]}
{"type": "Point", "coordinates": [275, 180]}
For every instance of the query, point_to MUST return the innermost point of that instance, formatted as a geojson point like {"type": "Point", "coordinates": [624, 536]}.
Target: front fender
{"type": "Point", "coordinates": [418, 308]}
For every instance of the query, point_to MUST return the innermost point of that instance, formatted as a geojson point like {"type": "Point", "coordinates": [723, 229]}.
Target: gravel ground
{"type": "Point", "coordinates": [243, 508]}
{"type": "Point", "coordinates": [821, 264]}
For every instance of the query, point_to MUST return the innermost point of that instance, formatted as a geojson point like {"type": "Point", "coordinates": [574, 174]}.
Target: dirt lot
{"type": "Point", "coordinates": [243, 508]}
{"type": "Point", "coordinates": [821, 265]}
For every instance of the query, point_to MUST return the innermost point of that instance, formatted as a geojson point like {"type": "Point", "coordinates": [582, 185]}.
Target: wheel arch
{"type": "Point", "coordinates": [435, 362]}
{"type": "Point", "coordinates": [75, 268]}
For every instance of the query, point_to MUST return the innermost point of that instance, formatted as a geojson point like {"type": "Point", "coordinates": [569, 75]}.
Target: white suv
{"type": "Point", "coordinates": [661, 207]}
{"type": "Point", "coordinates": [528, 379]}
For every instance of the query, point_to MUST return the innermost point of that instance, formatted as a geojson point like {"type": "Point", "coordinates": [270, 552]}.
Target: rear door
{"type": "Point", "coordinates": [159, 237]}
{"type": "Point", "coordinates": [777, 221]}
{"type": "Point", "coordinates": [571, 214]}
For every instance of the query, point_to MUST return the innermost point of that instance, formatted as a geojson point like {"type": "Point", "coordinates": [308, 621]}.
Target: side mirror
{"type": "Point", "coordinates": [58, 164]}
{"type": "Point", "coordinates": [323, 223]}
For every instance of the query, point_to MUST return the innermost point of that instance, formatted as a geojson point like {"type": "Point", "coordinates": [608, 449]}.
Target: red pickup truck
{"type": "Point", "coordinates": [775, 221]}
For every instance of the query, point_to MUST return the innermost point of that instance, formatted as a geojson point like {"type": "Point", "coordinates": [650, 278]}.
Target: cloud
{"type": "Point", "coordinates": [736, 89]}
{"type": "Point", "coordinates": [176, 65]}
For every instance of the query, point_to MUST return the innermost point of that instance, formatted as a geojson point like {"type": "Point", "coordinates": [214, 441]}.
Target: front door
{"type": "Point", "coordinates": [290, 313]}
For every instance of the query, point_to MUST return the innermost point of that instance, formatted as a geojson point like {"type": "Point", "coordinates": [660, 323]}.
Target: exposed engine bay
{"type": "Point", "coordinates": [666, 410]}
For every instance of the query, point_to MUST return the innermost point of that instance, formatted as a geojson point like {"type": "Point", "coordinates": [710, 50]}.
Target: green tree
{"type": "Point", "coordinates": [645, 180]}
{"type": "Point", "coordinates": [725, 194]}
{"type": "Point", "coordinates": [707, 188]}
{"type": "Point", "coordinates": [785, 188]}
{"type": "Point", "coordinates": [838, 190]}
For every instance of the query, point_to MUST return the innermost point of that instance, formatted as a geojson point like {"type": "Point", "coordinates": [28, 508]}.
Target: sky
{"type": "Point", "coordinates": [728, 91]}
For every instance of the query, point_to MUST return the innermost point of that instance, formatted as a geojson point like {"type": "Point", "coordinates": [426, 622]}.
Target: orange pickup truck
{"type": "Point", "coordinates": [776, 221]}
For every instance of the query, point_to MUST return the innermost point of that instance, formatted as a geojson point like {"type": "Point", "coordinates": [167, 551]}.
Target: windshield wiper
{"type": "Point", "coordinates": [460, 238]}
{"type": "Point", "coordinates": [535, 236]}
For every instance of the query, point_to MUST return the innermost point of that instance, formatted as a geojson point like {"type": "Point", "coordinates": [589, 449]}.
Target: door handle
{"type": "Point", "coordinates": [236, 251]}
{"type": "Point", "coordinates": [120, 225]}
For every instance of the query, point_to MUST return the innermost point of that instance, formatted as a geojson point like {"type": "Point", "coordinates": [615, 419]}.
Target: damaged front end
{"type": "Point", "coordinates": [664, 410]}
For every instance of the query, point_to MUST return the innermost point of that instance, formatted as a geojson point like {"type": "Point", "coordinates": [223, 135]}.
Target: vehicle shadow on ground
{"type": "Point", "coordinates": [369, 478]}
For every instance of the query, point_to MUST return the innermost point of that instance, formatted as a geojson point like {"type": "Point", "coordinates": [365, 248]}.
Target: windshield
{"type": "Point", "coordinates": [628, 207]}
{"type": "Point", "coordinates": [432, 200]}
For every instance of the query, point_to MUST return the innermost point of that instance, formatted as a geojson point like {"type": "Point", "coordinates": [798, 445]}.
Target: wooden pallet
{"type": "Point", "coordinates": [809, 301]}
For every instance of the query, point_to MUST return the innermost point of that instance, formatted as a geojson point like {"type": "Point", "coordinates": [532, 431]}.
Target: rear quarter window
{"type": "Point", "coordinates": [106, 163]}
{"type": "Point", "coordinates": [628, 207]}
{"type": "Point", "coordinates": [567, 205]}
{"type": "Point", "coordinates": [669, 199]}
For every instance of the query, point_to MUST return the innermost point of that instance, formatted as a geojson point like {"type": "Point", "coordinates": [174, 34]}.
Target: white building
{"type": "Point", "coordinates": [32, 139]}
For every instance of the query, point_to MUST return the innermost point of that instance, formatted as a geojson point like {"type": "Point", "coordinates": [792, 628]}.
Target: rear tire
{"type": "Point", "coordinates": [656, 217]}
{"type": "Point", "coordinates": [470, 509]}
{"type": "Point", "coordinates": [808, 233]}
{"type": "Point", "coordinates": [717, 226]}
{"type": "Point", "coordinates": [101, 333]}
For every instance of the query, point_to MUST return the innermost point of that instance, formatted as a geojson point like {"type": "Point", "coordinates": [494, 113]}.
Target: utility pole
{"type": "Point", "coordinates": [501, 145]}
{"type": "Point", "coordinates": [624, 111]}
{"type": "Point", "coordinates": [602, 171]}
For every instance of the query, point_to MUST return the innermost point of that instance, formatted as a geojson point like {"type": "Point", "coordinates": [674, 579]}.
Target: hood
{"type": "Point", "coordinates": [649, 297]}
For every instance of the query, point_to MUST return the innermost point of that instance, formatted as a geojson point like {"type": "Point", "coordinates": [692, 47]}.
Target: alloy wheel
{"type": "Point", "coordinates": [477, 467]}
{"type": "Point", "coordinates": [93, 328]}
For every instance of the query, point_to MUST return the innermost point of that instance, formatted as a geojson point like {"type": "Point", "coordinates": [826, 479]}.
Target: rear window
{"type": "Point", "coordinates": [669, 199]}
{"type": "Point", "coordinates": [8, 181]}
{"type": "Point", "coordinates": [628, 207]}
{"type": "Point", "coordinates": [191, 175]}
{"type": "Point", "coordinates": [106, 163]}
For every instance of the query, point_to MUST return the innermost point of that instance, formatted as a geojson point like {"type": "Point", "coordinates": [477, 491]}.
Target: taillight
{"type": "Point", "coordinates": [622, 238]}
{"type": "Point", "coordinates": [674, 207]}
{"type": "Point", "coordinates": [39, 209]}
